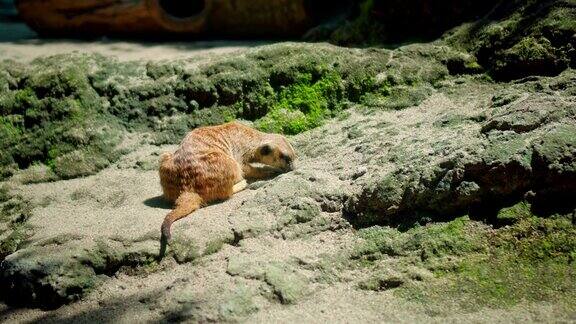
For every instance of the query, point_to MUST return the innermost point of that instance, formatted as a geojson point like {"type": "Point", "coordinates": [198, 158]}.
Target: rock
{"type": "Point", "coordinates": [554, 163]}
{"type": "Point", "coordinates": [509, 164]}
{"type": "Point", "coordinates": [239, 305]}
{"type": "Point", "coordinates": [383, 281]}
{"type": "Point", "coordinates": [529, 114]}
{"type": "Point", "coordinates": [305, 238]}
{"type": "Point", "coordinates": [530, 56]}
{"type": "Point", "coordinates": [60, 272]}
{"type": "Point", "coordinates": [78, 163]}
{"type": "Point", "coordinates": [288, 286]}
{"type": "Point", "coordinates": [36, 173]}
{"type": "Point", "coordinates": [513, 214]}
{"type": "Point", "coordinates": [516, 40]}
{"type": "Point", "coordinates": [15, 212]}
{"type": "Point", "coordinates": [304, 210]}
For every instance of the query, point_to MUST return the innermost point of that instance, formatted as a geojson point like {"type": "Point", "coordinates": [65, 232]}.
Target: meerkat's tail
{"type": "Point", "coordinates": [186, 203]}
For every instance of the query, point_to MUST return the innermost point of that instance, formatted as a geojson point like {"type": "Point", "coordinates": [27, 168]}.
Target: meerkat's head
{"type": "Point", "coordinates": [276, 151]}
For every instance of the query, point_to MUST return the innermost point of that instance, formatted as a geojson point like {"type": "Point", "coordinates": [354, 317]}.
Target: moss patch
{"type": "Point", "coordinates": [53, 113]}
{"type": "Point", "coordinates": [528, 57]}
{"type": "Point", "coordinates": [429, 242]}
{"type": "Point", "coordinates": [304, 105]}
{"type": "Point", "coordinates": [288, 286]}
{"type": "Point", "coordinates": [4, 192]}
{"type": "Point", "coordinates": [521, 38]}
{"type": "Point", "coordinates": [466, 265]}
{"type": "Point", "coordinates": [15, 211]}
{"type": "Point", "coordinates": [184, 251]}
{"type": "Point", "coordinates": [532, 260]}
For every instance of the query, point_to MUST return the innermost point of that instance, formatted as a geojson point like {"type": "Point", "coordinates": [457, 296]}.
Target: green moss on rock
{"type": "Point", "coordinates": [15, 240]}
{"type": "Point", "coordinates": [4, 192]}
{"type": "Point", "coordinates": [521, 38]}
{"type": "Point", "coordinates": [432, 241]}
{"type": "Point", "coordinates": [288, 286]}
{"type": "Point", "coordinates": [554, 163]}
{"type": "Point", "coordinates": [62, 271]}
{"type": "Point", "coordinates": [54, 113]}
{"type": "Point", "coordinates": [15, 211]}
{"type": "Point", "coordinates": [401, 97]}
{"type": "Point", "coordinates": [303, 105]}
{"type": "Point", "coordinates": [71, 111]}
{"type": "Point", "coordinates": [513, 214]}
{"type": "Point", "coordinates": [530, 56]}
{"type": "Point", "coordinates": [383, 280]}
{"type": "Point", "coordinates": [531, 260]}
{"type": "Point", "coordinates": [36, 173]}
{"type": "Point", "coordinates": [183, 250]}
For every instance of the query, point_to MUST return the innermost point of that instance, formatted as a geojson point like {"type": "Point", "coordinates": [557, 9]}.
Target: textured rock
{"type": "Point", "coordinates": [474, 169]}
{"type": "Point", "coordinates": [522, 38]}
{"type": "Point", "coordinates": [73, 112]}
{"type": "Point", "coordinates": [296, 245]}
{"type": "Point", "coordinates": [63, 269]}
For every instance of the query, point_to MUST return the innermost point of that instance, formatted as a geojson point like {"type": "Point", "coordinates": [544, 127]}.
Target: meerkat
{"type": "Point", "coordinates": [213, 163]}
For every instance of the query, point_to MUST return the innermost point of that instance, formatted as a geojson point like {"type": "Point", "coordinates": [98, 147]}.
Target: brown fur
{"type": "Point", "coordinates": [212, 164]}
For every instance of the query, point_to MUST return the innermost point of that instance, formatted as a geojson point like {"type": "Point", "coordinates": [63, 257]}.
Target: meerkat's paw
{"type": "Point", "coordinates": [240, 186]}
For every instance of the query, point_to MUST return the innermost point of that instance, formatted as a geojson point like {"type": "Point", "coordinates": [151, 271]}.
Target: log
{"type": "Point", "coordinates": [228, 18]}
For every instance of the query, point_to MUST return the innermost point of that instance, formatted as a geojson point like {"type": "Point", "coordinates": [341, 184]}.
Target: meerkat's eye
{"type": "Point", "coordinates": [265, 149]}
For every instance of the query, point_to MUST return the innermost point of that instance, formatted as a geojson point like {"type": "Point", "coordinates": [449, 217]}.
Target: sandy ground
{"type": "Point", "coordinates": [121, 205]}
{"type": "Point", "coordinates": [18, 42]}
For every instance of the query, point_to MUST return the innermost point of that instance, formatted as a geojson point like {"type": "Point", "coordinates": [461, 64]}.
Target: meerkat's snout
{"type": "Point", "coordinates": [289, 163]}
{"type": "Point", "coordinates": [287, 158]}
{"type": "Point", "coordinates": [277, 153]}
{"type": "Point", "coordinates": [287, 155]}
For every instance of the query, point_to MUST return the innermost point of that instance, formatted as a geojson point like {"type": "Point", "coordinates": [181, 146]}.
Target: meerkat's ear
{"type": "Point", "coordinates": [265, 149]}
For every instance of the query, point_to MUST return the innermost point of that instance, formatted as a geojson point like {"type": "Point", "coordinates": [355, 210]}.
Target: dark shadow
{"type": "Point", "coordinates": [555, 203]}
{"type": "Point", "coordinates": [184, 313]}
{"type": "Point", "coordinates": [158, 202]}
{"type": "Point", "coordinates": [6, 313]}
{"type": "Point", "coordinates": [323, 11]}
{"type": "Point", "coordinates": [109, 311]}
{"type": "Point", "coordinates": [19, 293]}
{"type": "Point", "coordinates": [12, 30]}
{"type": "Point", "coordinates": [396, 22]}
{"type": "Point", "coordinates": [182, 9]}
{"type": "Point", "coordinates": [487, 212]}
